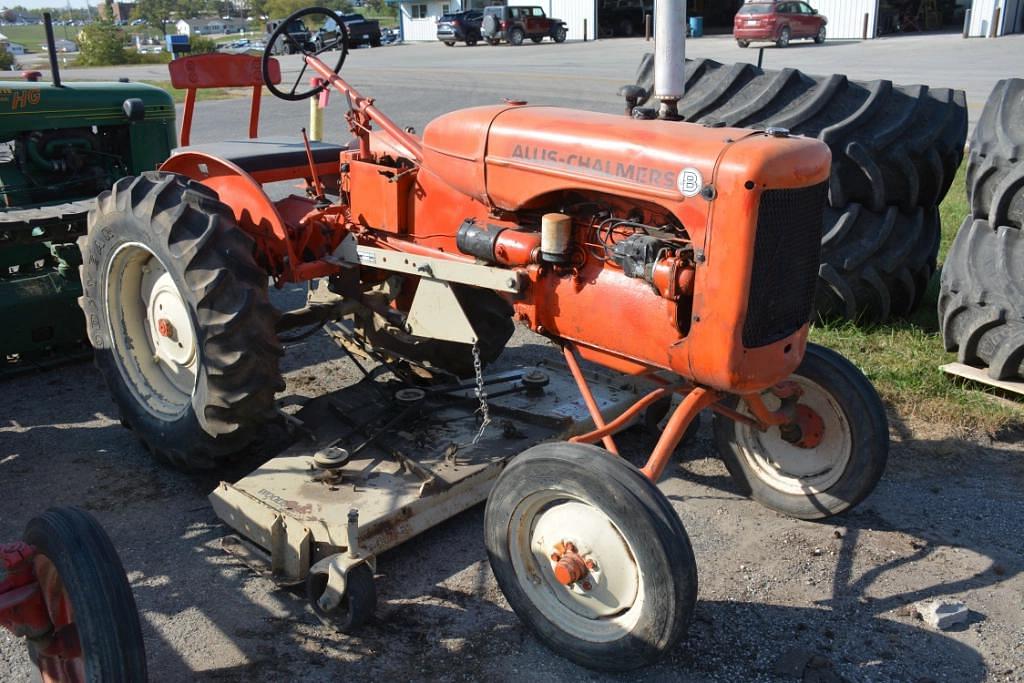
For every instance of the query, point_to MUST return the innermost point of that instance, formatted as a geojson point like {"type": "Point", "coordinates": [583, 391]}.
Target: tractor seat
{"type": "Point", "coordinates": [259, 156]}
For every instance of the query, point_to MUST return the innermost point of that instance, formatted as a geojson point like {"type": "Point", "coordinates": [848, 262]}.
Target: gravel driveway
{"type": "Point", "coordinates": [780, 599]}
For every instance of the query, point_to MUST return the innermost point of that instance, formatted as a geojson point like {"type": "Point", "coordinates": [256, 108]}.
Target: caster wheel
{"type": "Point", "coordinates": [357, 604]}
{"type": "Point", "coordinates": [837, 459]}
{"type": "Point", "coordinates": [591, 556]}
{"type": "Point", "coordinates": [96, 634]}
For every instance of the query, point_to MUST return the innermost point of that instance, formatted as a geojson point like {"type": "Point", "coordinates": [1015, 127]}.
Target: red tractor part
{"type": "Point", "coordinates": [65, 592]}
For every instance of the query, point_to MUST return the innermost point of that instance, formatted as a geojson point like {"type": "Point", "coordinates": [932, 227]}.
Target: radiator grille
{"type": "Point", "coordinates": [787, 252]}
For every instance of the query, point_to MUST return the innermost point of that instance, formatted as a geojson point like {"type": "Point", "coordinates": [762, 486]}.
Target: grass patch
{"type": "Point", "coordinates": [203, 93]}
{"type": "Point", "coordinates": [34, 35]}
{"type": "Point", "coordinates": [902, 359]}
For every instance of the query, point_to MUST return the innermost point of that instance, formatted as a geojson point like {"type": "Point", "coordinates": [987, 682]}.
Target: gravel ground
{"type": "Point", "coordinates": [777, 595]}
{"type": "Point", "coordinates": [774, 592]}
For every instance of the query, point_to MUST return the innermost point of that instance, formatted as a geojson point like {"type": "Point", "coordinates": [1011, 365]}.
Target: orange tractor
{"type": "Point", "coordinates": [682, 256]}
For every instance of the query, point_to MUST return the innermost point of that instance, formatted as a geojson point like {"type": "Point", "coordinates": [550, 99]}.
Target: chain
{"type": "Point", "coordinates": [481, 394]}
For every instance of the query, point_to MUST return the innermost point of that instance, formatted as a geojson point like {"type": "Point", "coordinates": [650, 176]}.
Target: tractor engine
{"type": "Point", "coordinates": [36, 166]}
{"type": "Point", "coordinates": [646, 244]}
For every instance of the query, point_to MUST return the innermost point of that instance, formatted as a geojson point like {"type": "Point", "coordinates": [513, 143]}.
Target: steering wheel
{"type": "Point", "coordinates": [307, 47]}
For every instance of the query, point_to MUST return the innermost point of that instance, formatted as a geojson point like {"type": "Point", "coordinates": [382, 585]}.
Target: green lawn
{"type": "Point", "coordinates": [33, 36]}
{"type": "Point", "coordinates": [203, 93]}
{"type": "Point", "coordinates": [902, 358]}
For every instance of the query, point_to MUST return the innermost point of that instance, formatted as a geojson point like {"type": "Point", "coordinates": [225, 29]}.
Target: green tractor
{"type": "Point", "coordinates": [60, 146]}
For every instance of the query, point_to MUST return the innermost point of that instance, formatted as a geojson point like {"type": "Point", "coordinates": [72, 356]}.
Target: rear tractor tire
{"type": "Point", "coordinates": [591, 556]}
{"type": "Point", "coordinates": [176, 308]}
{"type": "Point", "coordinates": [836, 461]}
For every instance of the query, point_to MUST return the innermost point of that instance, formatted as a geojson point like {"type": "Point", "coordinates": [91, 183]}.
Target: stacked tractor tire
{"type": "Point", "coordinates": [895, 151]}
{"type": "Point", "coordinates": [981, 300]}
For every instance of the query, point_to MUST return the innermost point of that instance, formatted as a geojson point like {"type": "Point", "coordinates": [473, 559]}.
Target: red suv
{"type": "Point", "coordinates": [778, 22]}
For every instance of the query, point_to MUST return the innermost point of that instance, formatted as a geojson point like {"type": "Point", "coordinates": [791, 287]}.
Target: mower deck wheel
{"type": "Point", "coordinates": [590, 555]}
{"type": "Point", "coordinates": [357, 604]}
{"type": "Point", "coordinates": [811, 475]}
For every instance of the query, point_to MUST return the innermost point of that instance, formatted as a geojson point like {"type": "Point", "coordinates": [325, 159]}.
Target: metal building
{"type": "Point", "coordinates": [993, 18]}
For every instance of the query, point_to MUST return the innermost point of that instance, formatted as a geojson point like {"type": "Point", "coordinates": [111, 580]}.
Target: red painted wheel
{"type": "Point", "coordinates": [96, 634]}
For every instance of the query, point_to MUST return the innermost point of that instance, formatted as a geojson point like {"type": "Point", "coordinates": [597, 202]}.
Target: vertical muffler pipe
{"type": "Point", "coordinates": [669, 55]}
{"type": "Point", "coordinates": [52, 47]}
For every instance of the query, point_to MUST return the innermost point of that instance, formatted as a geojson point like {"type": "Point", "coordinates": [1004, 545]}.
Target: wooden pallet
{"type": "Point", "coordinates": [981, 375]}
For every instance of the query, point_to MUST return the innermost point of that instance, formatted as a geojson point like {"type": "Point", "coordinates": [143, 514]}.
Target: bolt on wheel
{"type": "Point", "coordinates": [827, 459]}
{"type": "Point", "coordinates": [590, 555]}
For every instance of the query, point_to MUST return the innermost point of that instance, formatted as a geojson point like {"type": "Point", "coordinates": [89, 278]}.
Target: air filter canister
{"type": "Point", "coordinates": [555, 233]}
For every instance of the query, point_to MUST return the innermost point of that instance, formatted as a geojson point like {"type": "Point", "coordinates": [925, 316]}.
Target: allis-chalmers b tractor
{"type": "Point", "coordinates": [682, 256]}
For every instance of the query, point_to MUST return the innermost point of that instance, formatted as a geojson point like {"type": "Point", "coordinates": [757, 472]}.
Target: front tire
{"type": "Point", "coordinates": [636, 595]}
{"type": "Point", "coordinates": [783, 39]}
{"type": "Point", "coordinates": [559, 35]}
{"type": "Point", "coordinates": [450, 43]}
{"type": "Point", "coordinates": [743, 43]}
{"type": "Point", "coordinates": [812, 482]}
{"type": "Point", "coordinates": [87, 595]}
{"type": "Point", "coordinates": [177, 311]}
{"type": "Point", "coordinates": [819, 37]}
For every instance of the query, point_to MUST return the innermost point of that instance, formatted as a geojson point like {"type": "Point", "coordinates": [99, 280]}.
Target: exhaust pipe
{"type": "Point", "coordinates": [669, 55]}
{"type": "Point", "coordinates": [52, 47]}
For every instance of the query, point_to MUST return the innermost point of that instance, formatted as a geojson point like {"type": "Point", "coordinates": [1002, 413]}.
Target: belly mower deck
{"type": "Point", "coordinates": [385, 461]}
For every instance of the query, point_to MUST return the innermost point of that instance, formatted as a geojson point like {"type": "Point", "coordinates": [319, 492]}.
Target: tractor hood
{"type": "Point", "coordinates": [507, 156]}
{"type": "Point", "coordinates": [76, 104]}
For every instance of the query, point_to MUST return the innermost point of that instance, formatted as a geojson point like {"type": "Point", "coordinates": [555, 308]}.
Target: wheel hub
{"type": "Point", "coordinates": [570, 566]}
{"type": "Point", "coordinates": [170, 328]}
{"type": "Point", "coordinates": [151, 329]}
{"type": "Point", "coordinates": [807, 429]}
{"type": "Point", "coordinates": [806, 455]}
{"type": "Point", "coordinates": [584, 560]}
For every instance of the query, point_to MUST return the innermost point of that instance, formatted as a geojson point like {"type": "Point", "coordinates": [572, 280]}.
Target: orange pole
{"type": "Point", "coordinates": [623, 419]}
{"type": "Point", "coordinates": [186, 117]}
{"type": "Point", "coordinates": [694, 402]}
{"type": "Point", "coordinates": [574, 367]}
{"type": "Point", "coordinates": [254, 111]}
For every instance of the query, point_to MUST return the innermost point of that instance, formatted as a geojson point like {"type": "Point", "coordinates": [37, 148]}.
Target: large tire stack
{"type": "Point", "coordinates": [981, 300]}
{"type": "Point", "coordinates": [895, 151]}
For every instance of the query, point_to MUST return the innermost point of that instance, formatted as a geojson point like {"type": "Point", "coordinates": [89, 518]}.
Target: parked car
{"type": "Point", "coordinates": [299, 34]}
{"type": "Point", "coordinates": [515, 24]}
{"type": "Point", "coordinates": [460, 27]}
{"type": "Point", "coordinates": [778, 22]}
{"type": "Point", "coordinates": [361, 31]}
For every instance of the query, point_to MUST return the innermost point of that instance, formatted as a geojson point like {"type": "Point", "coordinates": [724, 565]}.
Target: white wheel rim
{"type": "Point", "coordinates": [612, 606]}
{"type": "Point", "coordinates": [151, 331]}
{"type": "Point", "coordinates": [787, 467]}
